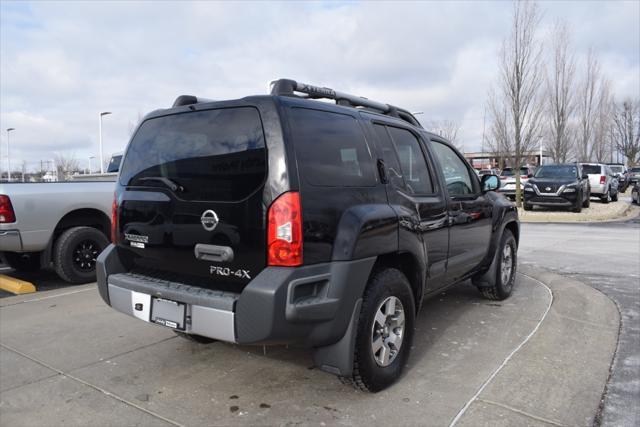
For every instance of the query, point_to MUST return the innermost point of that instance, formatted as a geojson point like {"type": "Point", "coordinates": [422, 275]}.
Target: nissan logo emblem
{"type": "Point", "coordinates": [546, 189]}
{"type": "Point", "coordinates": [209, 220]}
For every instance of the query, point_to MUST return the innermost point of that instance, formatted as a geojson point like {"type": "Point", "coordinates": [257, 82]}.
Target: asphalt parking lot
{"type": "Point", "coordinates": [538, 358]}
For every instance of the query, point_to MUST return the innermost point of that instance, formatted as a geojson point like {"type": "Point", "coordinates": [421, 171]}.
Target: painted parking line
{"type": "Point", "coordinates": [16, 286]}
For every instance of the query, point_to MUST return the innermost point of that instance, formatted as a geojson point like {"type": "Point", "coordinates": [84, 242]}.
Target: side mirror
{"type": "Point", "coordinates": [585, 176]}
{"type": "Point", "coordinates": [490, 183]}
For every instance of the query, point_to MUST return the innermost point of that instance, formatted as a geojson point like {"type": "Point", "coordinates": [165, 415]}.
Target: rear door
{"type": "Point", "coordinates": [192, 203]}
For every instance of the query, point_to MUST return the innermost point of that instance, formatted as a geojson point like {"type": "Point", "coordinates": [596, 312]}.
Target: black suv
{"type": "Point", "coordinates": [281, 219]}
{"type": "Point", "coordinates": [560, 185]}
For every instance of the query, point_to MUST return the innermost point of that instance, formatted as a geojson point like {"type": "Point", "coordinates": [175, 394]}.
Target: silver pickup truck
{"type": "Point", "coordinates": [64, 224]}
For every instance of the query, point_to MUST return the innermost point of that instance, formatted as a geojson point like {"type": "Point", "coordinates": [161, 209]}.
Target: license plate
{"type": "Point", "coordinates": [171, 314]}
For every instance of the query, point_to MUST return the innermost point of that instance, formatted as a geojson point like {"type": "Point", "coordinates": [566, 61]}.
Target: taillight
{"type": "Point", "coordinates": [284, 233]}
{"type": "Point", "coordinates": [114, 220]}
{"type": "Point", "coordinates": [524, 176]}
{"type": "Point", "coordinates": [6, 210]}
{"type": "Point", "coordinates": [602, 179]}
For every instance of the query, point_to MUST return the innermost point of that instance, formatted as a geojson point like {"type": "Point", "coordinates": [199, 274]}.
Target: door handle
{"type": "Point", "coordinates": [213, 253]}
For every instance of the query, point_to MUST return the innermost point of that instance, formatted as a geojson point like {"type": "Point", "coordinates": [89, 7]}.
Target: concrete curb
{"type": "Point", "coordinates": [626, 212]}
{"type": "Point", "coordinates": [559, 375]}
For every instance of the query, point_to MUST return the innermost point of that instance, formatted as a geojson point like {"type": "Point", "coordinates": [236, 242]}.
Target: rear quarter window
{"type": "Point", "coordinates": [331, 149]}
{"type": "Point", "coordinates": [591, 169]}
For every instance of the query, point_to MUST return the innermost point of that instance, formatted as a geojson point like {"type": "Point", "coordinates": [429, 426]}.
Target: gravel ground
{"type": "Point", "coordinates": [598, 211]}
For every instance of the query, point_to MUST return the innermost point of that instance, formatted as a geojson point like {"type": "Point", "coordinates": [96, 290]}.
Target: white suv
{"type": "Point", "coordinates": [603, 182]}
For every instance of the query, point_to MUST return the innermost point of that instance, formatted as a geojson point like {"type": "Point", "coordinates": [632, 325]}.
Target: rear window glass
{"type": "Point", "coordinates": [617, 169]}
{"type": "Point", "coordinates": [330, 149]}
{"type": "Point", "coordinates": [591, 169]}
{"type": "Point", "coordinates": [507, 172]}
{"type": "Point", "coordinates": [213, 155]}
{"type": "Point", "coordinates": [114, 164]}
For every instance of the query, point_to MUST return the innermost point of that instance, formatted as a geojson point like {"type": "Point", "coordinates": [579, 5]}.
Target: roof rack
{"type": "Point", "coordinates": [287, 87]}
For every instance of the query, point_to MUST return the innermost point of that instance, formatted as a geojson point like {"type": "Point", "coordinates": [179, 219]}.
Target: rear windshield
{"type": "Point", "coordinates": [114, 164]}
{"type": "Point", "coordinates": [617, 169]}
{"type": "Point", "coordinates": [557, 172]}
{"type": "Point", "coordinates": [591, 169]}
{"type": "Point", "coordinates": [509, 172]}
{"type": "Point", "coordinates": [331, 149]}
{"type": "Point", "coordinates": [213, 155]}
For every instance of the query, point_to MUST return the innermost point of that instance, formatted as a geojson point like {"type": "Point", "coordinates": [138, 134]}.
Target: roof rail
{"type": "Point", "coordinates": [287, 87]}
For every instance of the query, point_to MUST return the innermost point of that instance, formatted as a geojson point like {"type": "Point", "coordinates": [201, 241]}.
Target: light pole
{"type": "Point", "coordinates": [90, 168]}
{"type": "Point", "coordinates": [104, 113]}
{"type": "Point", "coordinates": [8, 158]}
{"type": "Point", "coordinates": [541, 139]}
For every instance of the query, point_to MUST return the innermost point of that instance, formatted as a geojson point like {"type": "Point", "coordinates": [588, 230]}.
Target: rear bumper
{"type": "Point", "coordinates": [10, 241]}
{"type": "Point", "coordinates": [310, 305]}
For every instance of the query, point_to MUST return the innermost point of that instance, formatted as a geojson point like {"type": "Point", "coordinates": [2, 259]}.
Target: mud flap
{"type": "Point", "coordinates": [487, 279]}
{"type": "Point", "coordinates": [337, 358]}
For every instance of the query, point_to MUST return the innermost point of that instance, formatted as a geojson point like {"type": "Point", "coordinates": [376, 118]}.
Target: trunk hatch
{"type": "Point", "coordinates": [196, 178]}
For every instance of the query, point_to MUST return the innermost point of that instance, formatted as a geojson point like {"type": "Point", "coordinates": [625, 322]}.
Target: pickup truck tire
{"type": "Point", "coordinates": [26, 261]}
{"type": "Point", "coordinates": [195, 338]}
{"type": "Point", "coordinates": [383, 340]}
{"type": "Point", "coordinates": [505, 274]}
{"type": "Point", "coordinates": [75, 252]}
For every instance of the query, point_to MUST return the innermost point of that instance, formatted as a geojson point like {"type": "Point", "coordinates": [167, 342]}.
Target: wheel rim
{"type": "Point", "coordinates": [506, 266]}
{"type": "Point", "coordinates": [85, 254]}
{"type": "Point", "coordinates": [387, 331]}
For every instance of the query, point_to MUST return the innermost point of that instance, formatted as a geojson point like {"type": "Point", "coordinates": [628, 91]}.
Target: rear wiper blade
{"type": "Point", "coordinates": [166, 181]}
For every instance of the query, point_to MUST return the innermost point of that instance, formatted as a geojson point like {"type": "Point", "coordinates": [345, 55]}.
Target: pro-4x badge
{"type": "Point", "coordinates": [209, 220]}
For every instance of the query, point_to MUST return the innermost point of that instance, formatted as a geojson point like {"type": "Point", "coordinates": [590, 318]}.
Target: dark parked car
{"type": "Point", "coordinates": [282, 219]}
{"type": "Point", "coordinates": [635, 193]}
{"type": "Point", "coordinates": [558, 185]}
{"type": "Point", "coordinates": [620, 171]}
{"type": "Point", "coordinates": [634, 175]}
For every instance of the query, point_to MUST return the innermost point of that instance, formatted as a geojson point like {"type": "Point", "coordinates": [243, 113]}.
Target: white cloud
{"type": "Point", "coordinates": [64, 62]}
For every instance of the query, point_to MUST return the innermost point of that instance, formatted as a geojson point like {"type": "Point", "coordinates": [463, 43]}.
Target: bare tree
{"type": "Point", "coordinates": [499, 140]}
{"type": "Point", "coordinates": [133, 126]}
{"type": "Point", "coordinates": [587, 107]}
{"type": "Point", "coordinates": [65, 166]}
{"type": "Point", "coordinates": [560, 88]}
{"type": "Point", "coordinates": [520, 83]}
{"type": "Point", "coordinates": [602, 145]}
{"type": "Point", "coordinates": [447, 129]}
{"type": "Point", "coordinates": [626, 130]}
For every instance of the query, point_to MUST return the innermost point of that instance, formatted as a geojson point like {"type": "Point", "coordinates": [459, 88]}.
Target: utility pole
{"type": "Point", "coordinates": [8, 157]}
{"type": "Point", "coordinates": [104, 113]}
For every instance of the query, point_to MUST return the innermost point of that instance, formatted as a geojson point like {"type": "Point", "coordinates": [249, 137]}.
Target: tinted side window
{"type": "Point", "coordinates": [414, 168]}
{"type": "Point", "coordinates": [331, 149]}
{"type": "Point", "coordinates": [456, 174]}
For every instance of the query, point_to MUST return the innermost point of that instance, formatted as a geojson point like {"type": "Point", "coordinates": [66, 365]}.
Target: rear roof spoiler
{"type": "Point", "coordinates": [287, 87]}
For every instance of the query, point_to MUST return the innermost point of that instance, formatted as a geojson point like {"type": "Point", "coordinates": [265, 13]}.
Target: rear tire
{"type": "Point", "coordinates": [195, 338]}
{"type": "Point", "coordinates": [385, 331]}
{"type": "Point", "coordinates": [24, 262]}
{"type": "Point", "coordinates": [614, 198]}
{"type": "Point", "coordinates": [527, 206]}
{"type": "Point", "coordinates": [607, 197]}
{"type": "Point", "coordinates": [75, 252]}
{"type": "Point", "coordinates": [506, 266]}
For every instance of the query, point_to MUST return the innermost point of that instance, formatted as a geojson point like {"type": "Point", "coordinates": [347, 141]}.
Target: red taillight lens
{"type": "Point", "coordinates": [114, 220]}
{"type": "Point", "coordinates": [284, 234]}
{"type": "Point", "coordinates": [602, 179]}
{"type": "Point", "coordinates": [6, 210]}
{"type": "Point", "coordinates": [524, 176]}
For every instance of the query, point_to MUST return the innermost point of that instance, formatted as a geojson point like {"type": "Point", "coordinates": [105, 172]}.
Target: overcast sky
{"type": "Point", "coordinates": [61, 63]}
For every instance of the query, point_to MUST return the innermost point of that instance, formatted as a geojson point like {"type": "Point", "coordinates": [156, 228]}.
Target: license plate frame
{"type": "Point", "coordinates": [168, 313]}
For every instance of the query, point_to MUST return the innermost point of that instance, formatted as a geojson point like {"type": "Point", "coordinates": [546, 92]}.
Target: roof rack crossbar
{"type": "Point", "coordinates": [287, 87]}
